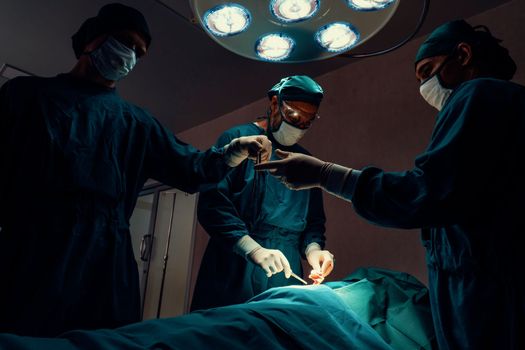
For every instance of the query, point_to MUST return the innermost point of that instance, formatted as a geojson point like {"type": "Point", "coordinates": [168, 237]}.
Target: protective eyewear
{"type": "Point", "coordinates": [297, 118]}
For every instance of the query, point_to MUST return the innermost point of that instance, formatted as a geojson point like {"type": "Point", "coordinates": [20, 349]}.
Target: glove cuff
{"type": "Point", "coordinates": [245, 246]}
{"type": "Point", "coordinates": [311, 247]}
{"type": "Point", "coordinates": [233, 154]}
{"type": "Point", "coordinates": [334, 178]}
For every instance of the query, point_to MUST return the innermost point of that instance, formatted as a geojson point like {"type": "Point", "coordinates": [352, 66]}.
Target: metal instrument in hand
{"type": "Point", "coordinates": [255, 191]}
{"type": "Point", "coordinates": [298, 278]}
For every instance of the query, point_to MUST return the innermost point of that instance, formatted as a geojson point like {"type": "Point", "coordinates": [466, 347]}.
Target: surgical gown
{"type": "Point", "coordinates": [74, 157]}
{"type": "Point", "coordinates": [467, 193]}
{"type": "Point", "coordinates": [276, 217]}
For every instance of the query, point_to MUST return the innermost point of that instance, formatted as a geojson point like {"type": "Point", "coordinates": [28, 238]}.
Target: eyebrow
{"type": "Point", "coordinates": [422, 68]}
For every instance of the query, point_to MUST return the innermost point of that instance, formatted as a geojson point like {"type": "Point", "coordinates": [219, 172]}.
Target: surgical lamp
{"type": "Point", "coordinates": [296, 30]}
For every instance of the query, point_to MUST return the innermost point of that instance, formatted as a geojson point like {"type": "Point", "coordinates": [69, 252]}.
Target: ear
{"type": "Point", "coordinates": [274, 103]}
{"type": "Point", "coordinates": [464, 54]}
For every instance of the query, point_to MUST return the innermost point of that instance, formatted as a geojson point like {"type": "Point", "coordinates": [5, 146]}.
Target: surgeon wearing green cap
{"type": "Point", "coordinates": [466, 191]}
{"type": "Point", "coordinates": [74, 157]}
{"type": "Point", "coordinates": [259, 229]}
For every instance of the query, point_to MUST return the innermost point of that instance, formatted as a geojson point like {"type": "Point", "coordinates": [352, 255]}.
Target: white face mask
{"type": "Point", "coordinates": [434, 93]}
{"type": "Point", "coordinates": [287, 134]}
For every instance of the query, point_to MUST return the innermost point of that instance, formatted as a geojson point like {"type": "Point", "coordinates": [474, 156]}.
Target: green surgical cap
{"type": "Point", "coordinates": [297, 88]}
{"type": "Point", "coordinates": [444, 39]}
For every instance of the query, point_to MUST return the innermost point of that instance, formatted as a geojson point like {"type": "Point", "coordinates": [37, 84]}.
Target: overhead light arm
{"type": "Point", "coordinates": [422, 17]}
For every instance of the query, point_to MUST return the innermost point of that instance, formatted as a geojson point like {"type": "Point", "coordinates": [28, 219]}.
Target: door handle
{"type": "Point", "coordinates": [145, 247]}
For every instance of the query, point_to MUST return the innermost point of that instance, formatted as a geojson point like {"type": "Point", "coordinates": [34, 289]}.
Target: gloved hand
{"type": "Point", "coordinates": [272, 261]}
{"type": "Point", "coordinates": [247, 147]}
{"type": "Point", "coordinates": [322, 262]}
{"type": "Point", "coordinates": [297, 171]}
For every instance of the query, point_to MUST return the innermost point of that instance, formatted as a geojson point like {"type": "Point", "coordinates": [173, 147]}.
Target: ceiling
{"type": "Point", "coordinates": [187, 78]}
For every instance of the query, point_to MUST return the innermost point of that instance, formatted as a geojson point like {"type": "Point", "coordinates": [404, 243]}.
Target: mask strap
{"type": "Point", "coordinates": [269, 126]}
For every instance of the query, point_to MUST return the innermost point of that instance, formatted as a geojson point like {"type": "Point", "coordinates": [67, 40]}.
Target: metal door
{"type": "Point", "coordinates": [162, 229]}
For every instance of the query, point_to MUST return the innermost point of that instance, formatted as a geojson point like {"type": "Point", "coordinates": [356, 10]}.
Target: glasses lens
{"type": "Point", "coordinates": [300, 119]}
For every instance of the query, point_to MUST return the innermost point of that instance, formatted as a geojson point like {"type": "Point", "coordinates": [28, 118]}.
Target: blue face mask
{"type": "Point", "coordinates": [113, 60]}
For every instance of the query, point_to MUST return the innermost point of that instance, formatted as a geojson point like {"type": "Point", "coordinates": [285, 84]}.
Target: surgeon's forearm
{"type": "Point", "coordinates": [340, 181]}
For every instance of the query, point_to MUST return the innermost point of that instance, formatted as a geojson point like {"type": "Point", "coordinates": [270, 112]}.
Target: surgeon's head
{"type": "Point", "coordinates": [294, 105]}
{"type": "Point", "coordinates": [456, 52]}
{"type": "Point", "coordinates": [113, 41]}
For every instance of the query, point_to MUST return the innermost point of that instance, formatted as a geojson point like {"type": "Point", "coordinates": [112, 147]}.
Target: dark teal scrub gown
{"type": "Point", "coordinates": [276, 217]}
{"type": "Point", "coordinates": [74, 157]}
{"type": "Point", "coordinates": [467, 192]}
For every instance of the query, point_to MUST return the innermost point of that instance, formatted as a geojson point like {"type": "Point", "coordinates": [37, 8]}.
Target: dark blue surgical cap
{"type": "Point", "coordinates": [297, 88]}
{"type": "Point", "coordinates": [444, 39]}
{"type": "Point", "coordinates": [110, 18]}
{"type": "Point", "coordinates": [491, 58]}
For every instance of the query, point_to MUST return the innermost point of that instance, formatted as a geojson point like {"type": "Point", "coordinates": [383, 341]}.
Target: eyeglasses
{"type": "Point", "coordinates": [296, 117]}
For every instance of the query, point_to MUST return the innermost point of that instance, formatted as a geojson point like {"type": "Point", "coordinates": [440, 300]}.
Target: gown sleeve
{"type": "Point", "coordinates": [3, 106]}
{"type": "Point", "coordinates": [315, 226]}
{"type": "Point", "coordinates": [5, 115]}
{"type": "Point", "coordinates": [454, 176]}
{"type": "Point", "coordinates": [3, 112]}
{"type": "Point", "coordinates": [180, 165]}
{"type": "Point", "coordinates": [216, 211]}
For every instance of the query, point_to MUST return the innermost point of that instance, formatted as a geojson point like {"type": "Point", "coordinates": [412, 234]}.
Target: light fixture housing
{"type": "Point", "coordinates": [297, 24]}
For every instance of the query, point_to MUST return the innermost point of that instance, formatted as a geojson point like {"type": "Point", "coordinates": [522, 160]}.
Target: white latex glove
{"type": "Point", "coordinates": [272, 261]}
{"type": "Point", "coordinates": [247, 147]}
{"type": "Point", "coordinates": [322, 262]}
